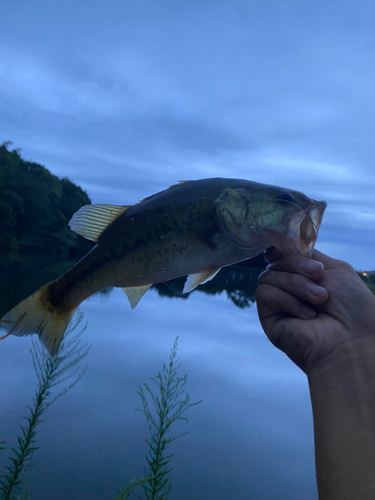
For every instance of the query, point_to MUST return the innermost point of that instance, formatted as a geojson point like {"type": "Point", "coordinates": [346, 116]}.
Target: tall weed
{"type": "Point", "coordinates": [62, 369]}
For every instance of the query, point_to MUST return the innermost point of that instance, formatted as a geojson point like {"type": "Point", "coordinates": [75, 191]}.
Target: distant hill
{"type": "Point", "coordinates": [35, 208]}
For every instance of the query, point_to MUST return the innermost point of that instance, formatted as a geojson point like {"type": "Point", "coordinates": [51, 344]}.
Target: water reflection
{"type": "Point", "coordinates": [22, 274]}
{"type": "Point", "coordinates": [256, 407]}
{"type": "Point", "coordinates": [238, 281]}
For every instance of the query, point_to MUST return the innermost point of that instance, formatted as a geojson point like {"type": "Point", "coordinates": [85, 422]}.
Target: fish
{"type": "Point", "coordinates": [193, 229]}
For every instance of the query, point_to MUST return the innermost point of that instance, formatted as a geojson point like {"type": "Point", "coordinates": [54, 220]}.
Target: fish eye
{"type": "Point", "coordinates": [284, 197]}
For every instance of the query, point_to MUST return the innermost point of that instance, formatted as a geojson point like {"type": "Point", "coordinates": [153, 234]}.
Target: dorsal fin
{"type": "Point", "coordinates": [91, 220]}
{"type": "Point", "coordinates": [179, 183]}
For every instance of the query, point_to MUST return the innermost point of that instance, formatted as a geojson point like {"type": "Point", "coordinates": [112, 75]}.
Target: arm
{"type": "Point", "coordinates": [322, 316]}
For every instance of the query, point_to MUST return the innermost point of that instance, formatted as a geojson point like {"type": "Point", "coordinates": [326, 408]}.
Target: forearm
{"type": "Point", "coordinates": [343, 399]}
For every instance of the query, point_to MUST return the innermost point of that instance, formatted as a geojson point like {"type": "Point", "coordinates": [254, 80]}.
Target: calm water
{"type": "Point", "coordinates": [250, 438]}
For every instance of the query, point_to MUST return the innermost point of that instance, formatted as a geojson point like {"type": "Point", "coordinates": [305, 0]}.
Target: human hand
{"type": "Point", "coordinates": [315, 308]}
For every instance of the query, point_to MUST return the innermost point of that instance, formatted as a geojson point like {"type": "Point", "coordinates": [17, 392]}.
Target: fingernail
{"type": "Point", "coordinates": [316, 290]}
{"type": "Point", "coordinates": [310, 266]}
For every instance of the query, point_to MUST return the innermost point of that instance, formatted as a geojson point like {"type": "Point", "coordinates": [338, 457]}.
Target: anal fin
{"type": "Point", "coordinates": [135, 293]}
{"type": "Point", "coordinates": [193, 280]}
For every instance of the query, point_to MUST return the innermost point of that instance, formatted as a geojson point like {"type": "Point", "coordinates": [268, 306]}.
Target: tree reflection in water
{"type": "Point", "coordinates": [22, 274]}
{"type": "Point", "coordinates": [239, 281]}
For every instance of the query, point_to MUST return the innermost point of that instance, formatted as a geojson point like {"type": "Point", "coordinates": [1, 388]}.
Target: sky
{"type": "Point", "coordinates": [127, 97]}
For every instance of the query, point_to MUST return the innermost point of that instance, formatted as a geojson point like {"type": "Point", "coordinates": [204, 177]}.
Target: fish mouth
{"type": "Point", "coordinates": [302, 231]}
{"type": "Point", "coordinates": [316, 213]}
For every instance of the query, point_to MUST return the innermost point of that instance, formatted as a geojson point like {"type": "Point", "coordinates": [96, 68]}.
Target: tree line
{"type": "Point", "coordinates": [36, 206]}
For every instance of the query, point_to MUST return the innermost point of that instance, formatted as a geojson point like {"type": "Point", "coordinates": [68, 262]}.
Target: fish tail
{"type": "Point", "coordinates": [37, 314]}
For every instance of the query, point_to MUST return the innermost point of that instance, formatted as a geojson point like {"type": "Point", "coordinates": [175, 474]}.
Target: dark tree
{"type": "Point", "coordinates": [36, 206]}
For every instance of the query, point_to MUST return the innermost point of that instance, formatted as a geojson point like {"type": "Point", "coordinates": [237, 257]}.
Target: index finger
{"type": "Point", "coordinates": [298, 264]}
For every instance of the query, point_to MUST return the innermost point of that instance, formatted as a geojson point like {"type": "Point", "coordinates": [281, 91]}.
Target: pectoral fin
{"type": "Point", "coordinates": [135, 293]}
{"type": "Point", "coordinates": [91, 220]}
{"type": "Point", "coordinates": [193, 280]}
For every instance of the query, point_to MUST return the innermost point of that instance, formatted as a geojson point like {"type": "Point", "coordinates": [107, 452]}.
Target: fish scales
{"type": "Point", "coordinates": [151, 246]}
{"type": "Point", "coordinates": [193, 228]}
{"type": "Point", "coordinates": [132, 251]}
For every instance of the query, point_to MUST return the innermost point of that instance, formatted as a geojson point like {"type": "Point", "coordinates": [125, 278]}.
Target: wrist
{"type": "Point", "coordinates": [342, 388]}
{"type": "Point", "coordinates": [348, 366]}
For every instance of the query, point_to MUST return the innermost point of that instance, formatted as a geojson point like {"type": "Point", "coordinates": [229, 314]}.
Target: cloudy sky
{"type": "Point", "coordinates": [127, 97]}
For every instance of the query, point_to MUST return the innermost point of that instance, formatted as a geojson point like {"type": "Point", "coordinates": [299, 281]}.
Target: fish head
{"type": "Point", "coordinates": [263, 216]}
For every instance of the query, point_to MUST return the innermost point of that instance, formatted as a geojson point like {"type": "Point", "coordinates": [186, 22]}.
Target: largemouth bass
{"type": "Point", "coordinates": [193, 228]}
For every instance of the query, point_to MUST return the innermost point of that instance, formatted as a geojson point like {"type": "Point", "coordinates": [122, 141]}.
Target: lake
{"type": "Point", "coordinates": [251, 437]}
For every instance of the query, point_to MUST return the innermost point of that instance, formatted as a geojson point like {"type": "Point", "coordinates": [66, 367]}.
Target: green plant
{"type": "Point", "coordinates": [50, 372]}
{"type": "Point", "coordinates": [122, 495]}
{"type": "Point", "coordinates": [169, 406]}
